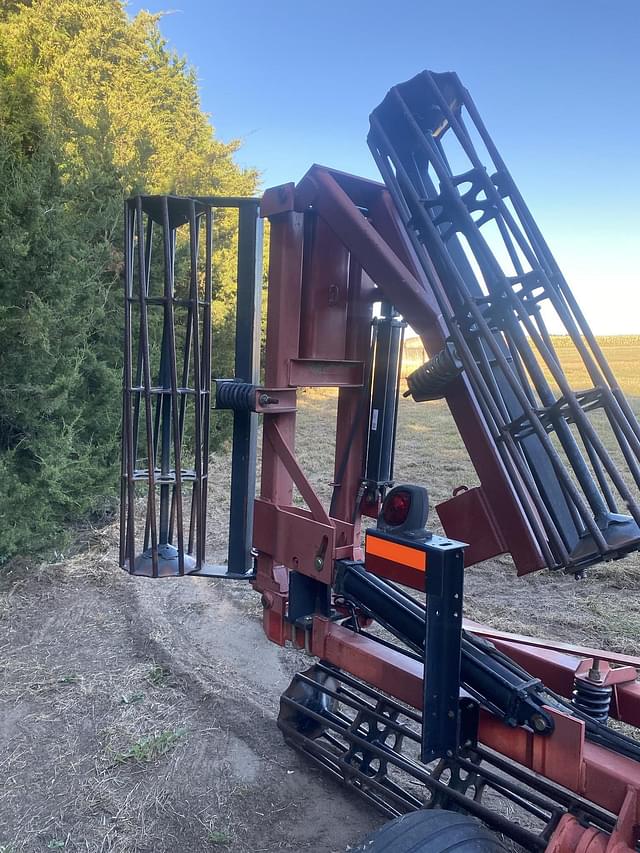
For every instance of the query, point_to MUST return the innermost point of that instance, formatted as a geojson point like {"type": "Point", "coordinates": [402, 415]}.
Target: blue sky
{"type": "Point", "coordinates": [557, 84]}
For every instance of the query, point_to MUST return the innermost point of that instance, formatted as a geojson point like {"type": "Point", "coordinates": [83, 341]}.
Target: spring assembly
{"type": "Point", "coordinates": [592, 698]}
{"type": "Point", "coordinates": [430, 381]}
{"type": "Point", "coordinates": [238, 396]}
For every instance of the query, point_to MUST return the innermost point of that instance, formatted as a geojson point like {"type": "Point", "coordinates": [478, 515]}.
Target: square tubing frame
{"type": "Point", "coordinates": [247, 369]}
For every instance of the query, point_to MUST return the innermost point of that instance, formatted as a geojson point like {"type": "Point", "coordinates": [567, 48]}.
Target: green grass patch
{"type": "Point", "coordinates": [151, 747]}
{"type": "Point", "coordinates": [159, 675]}
{"type": "Point", "coordinates": [218, 838]}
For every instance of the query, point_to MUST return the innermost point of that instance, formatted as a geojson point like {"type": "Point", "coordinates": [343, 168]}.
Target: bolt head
{"type": "Point", "coordinates": [539, 723]}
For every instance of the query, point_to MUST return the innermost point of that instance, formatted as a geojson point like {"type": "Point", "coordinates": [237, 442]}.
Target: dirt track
{"type": "Point", "coordinates": [95, 664]}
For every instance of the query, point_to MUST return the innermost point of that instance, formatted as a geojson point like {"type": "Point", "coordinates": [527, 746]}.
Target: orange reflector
{"type": "Point", "coordinates": [403, 554]}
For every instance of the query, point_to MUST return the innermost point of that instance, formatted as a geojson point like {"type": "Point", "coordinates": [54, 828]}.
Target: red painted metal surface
{"type": "Point", "coordinates": [272, 400]}
{"type": "Point", "coordinates": [283, 311]}
{"type": "Point", "coordinates": [599, 775]}
{"type": "Point", "coordinates": [326, 373]}
{"type": "Point", "coordinates": [555, 645]}
{"type": "Point", "coordinates": [469, 513]}
{"type": "Point", "coordinates": [318, 334]}
{"type": "Point", "coordinates": [299, 542]}
{"type": "Point", "coordinates": [396, 572]}
{"type": "Point", "coordinates": [558, 667]}
{"type": "Point", "coordinates": [571, 837]}
{"type": "Point", "coordinates": [338, 201]}
{"type": "Point", "coordinates": [332, 203]}
{"type": "Point", "coordinates": [351, 419]}
{"type": "Point", "coordinates": [328, 262]}
{"type": "Point", "coordinates": [325, 276]}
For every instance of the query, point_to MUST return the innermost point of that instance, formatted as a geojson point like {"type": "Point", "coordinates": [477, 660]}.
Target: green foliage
{"type": "Point", "coordinates": [150, 747]}
{"type": "Point", "coordinates": [93, 107]}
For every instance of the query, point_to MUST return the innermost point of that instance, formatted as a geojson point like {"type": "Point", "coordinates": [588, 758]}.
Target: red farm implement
{"type": "Point", "coordinates": [425, 715]}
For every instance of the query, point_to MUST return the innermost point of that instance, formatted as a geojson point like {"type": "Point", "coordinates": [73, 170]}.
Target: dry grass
{"type": "Point", "coordinates": [621, 351]}
{"type": "Point", "coordinates": [597, 611]}
{"type": "Point", "coordinates": [129, 720]}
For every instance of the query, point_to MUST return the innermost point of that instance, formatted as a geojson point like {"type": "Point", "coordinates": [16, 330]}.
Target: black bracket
{"type": "Point", "coordinates": [442, 651]}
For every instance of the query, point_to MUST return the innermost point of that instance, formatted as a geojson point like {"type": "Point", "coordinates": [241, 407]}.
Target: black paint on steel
{"type": "Point", "coordinates": [247, 369]}
{"type": "Point", "coordinates": [445, 572]}
{"type": "Point", "coordinates": [492, 299]}
{"type": "Point", "coordinates": [400, 614]}
{"type": "Point", "coordinates": [178, 404]}
{"type": "Point", "coordinates": [388, 337]}
{"type": "Point", "coordinates": [371, 743]}
{"type": "Point", "coordinates": [431, 380]}
{"type": "Point", "coordinates": [513, 695]}
{"type": "Point", "coordinates": [307, 597]}
{"type": "Point", "coordinates": [237, 396]}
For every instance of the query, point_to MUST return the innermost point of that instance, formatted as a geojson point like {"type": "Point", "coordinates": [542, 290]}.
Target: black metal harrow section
{"type": "Point", "coordinates": [167, 387]}
{"type": "Point", "coordinates": [371, 743]}
{"type": "Point", "coordinates": [573, 456]}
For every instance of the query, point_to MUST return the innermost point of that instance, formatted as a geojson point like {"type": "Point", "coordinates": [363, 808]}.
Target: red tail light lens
{"type": "Point", "coordinates": [395, 508]}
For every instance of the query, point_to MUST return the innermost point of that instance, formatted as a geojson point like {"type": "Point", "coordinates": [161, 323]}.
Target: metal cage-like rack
{"type": "Point", "coordinates": [169, 284]}
{"type": "Point", "coordinates": [498, 286]}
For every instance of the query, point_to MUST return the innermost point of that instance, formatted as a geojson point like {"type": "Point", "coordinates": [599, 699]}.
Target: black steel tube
{"type": "Point", "coordinates": [247, 368]}
{"type": "Point", "coordinates": [599, 507]}
{"type": "Point", "coordinates": [168, 243]}
{"type": "Point", "coordinates": [403, 617]}
{"type": "Point", "coordinates": [493, 275]}
{"type": "Point", "coordinates": [146, 374]}
{"type": "Point", "coordinates": [504, 442]}
{"type": "Point", "coordinates": [503, 311]}
{"type": "Point", "coordinates": [384, 397]}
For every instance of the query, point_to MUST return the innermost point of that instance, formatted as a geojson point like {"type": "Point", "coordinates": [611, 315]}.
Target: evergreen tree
{"type": "Point", "coordinates": [93, 107]}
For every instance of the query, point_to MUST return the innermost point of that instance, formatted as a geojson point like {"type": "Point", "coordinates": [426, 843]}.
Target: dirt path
{"type": "Point", "coordinates": [137, 716]}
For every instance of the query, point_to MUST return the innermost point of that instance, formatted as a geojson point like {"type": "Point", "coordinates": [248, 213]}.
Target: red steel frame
{"type": "Point", "coordinates": [336, 248]}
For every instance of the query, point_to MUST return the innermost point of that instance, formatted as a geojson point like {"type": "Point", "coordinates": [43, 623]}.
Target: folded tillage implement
{"type": "Point", "coordinates": [435, 721]}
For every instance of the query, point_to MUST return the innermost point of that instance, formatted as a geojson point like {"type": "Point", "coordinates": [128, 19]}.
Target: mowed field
{"type": "Point", "coordinates": [621, 351]}
{"type": "Point", "coordinates": [140, 716]}
{"type": "Point", "coordinates": [603, 609]}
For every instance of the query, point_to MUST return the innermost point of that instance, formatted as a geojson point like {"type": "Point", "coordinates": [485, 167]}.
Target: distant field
{"type": "Point", "coordinates": [621, 351]}
{"type": "Point", "coordinates": [429, 451]}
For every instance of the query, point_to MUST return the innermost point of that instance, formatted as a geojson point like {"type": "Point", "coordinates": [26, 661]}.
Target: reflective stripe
{"type": "Point", "coordinates": [403, 554]}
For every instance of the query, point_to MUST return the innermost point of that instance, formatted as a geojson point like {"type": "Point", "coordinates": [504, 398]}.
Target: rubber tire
{"type": "Point", "coordinates": [431, 831]}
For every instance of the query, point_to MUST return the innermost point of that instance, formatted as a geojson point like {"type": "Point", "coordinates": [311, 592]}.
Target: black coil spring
{"type": "Point", "coordinates": [592, 699]}
{"type": "Point", "coordinates": [429, 382]}
{"type": "Point", "coordinates": [238, 396]}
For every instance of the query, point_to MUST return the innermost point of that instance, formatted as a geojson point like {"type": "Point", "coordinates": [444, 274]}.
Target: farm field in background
{"type": "Point", "coordinates": [595, 611]}
{"type": "Point", "coordinates": [621, 351]}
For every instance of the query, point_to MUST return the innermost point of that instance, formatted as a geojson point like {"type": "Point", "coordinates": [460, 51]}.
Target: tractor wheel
{"type": "Point", "coordinates": [431, 831]}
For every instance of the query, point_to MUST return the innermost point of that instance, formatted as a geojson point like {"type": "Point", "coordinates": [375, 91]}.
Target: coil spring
{"type": "Point", "coordinates": [429, 382]}
{"type": "Point", "coordinates": [238, 396]}
{"type": "Point", "coordinates": [592, 698]}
